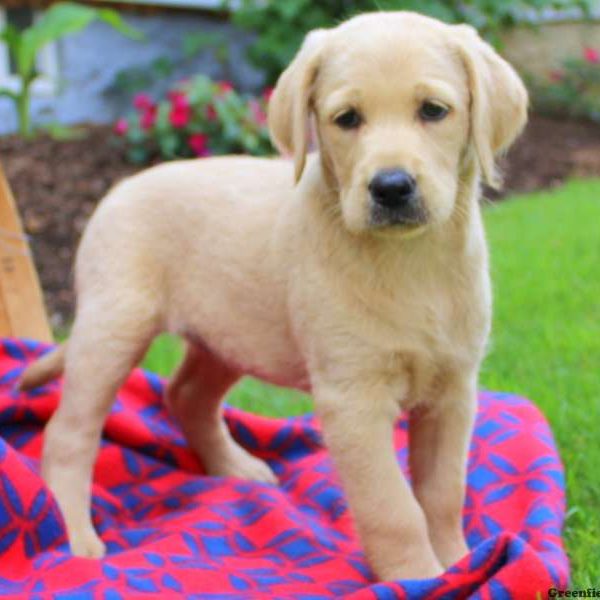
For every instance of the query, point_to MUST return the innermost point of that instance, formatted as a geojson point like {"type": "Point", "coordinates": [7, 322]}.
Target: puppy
{"type": "Point", "coordinates": [359, 272]}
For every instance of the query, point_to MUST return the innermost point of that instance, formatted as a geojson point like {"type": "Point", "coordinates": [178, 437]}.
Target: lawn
{"type": "Point", "coordinates": [545, 250]}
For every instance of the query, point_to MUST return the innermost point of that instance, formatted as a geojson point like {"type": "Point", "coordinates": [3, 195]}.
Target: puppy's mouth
{"type": "Point", "coordinates": [407, 218]}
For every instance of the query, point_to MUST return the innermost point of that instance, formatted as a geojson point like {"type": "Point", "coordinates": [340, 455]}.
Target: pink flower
{"type": "Point", "coordinates": [267, 93]}
{"type": "Point", "coordinates": [181, 113]}
{"type": "Point", "coordinates": [142, 102]}
{"type": "Point", "coordinates": [180, 116]}
{"type": "Point", "coordinates": [257, 112]}
{"type": "Point", "coordinates": [556, 75]}
{"type": "Point", "coordinates": [178, 99]}
{"type": "Point", "coordinates": [211, 113]}
{"type": "Point", "coordinates": [225, 86]}
{"type": "Point", "coordinates": [591, 55]}
{"type": "Point", "coordinates": [121, 127]}
{"type": "Point", "coordinates": [148, 118]}
{"type": "Point", "coordinates": [198, 143]}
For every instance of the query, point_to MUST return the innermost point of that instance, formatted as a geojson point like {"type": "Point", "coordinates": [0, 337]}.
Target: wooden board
{"type": "Point", "coordinates": [22, 312]}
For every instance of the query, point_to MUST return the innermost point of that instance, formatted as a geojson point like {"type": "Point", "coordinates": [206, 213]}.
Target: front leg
{"type": "Point", "coordinates": [358, 425]}
{"type": "Point", "coordinates": [439, 438]}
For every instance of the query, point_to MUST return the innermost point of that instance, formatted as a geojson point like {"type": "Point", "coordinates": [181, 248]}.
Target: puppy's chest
{"type": "Point", "coordinates": [425, 318]}
{"type": "Point", "coordinates": [423, 345]}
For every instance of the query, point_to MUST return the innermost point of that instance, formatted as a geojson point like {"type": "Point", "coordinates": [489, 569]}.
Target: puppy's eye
{"type": "Point", "coordinates": [433, 111]}
{"type": "Point", "coordinates": [349, 119]}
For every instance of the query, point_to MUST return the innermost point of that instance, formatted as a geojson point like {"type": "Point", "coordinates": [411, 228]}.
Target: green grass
{"type": "Point", "coordinates": [546, 338]}
{"type": "Point", "coordinates": [545, 250]}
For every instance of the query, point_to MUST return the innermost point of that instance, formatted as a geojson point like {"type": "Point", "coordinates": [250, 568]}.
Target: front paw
{"type": "Point", "coordinates": [412, 570]}
{"type": "Point", "coordinates": [85, 542]}
{"type": "Point", "coordinates": [425, 567]}
{"type": "Point", "coordinates": [450, 548]}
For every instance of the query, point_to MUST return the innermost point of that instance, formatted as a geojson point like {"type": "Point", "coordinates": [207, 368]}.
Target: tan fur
{"type": "Point", "coordinates": [295, 285]}
{"type": "Point", "coordinates": [47, 367]}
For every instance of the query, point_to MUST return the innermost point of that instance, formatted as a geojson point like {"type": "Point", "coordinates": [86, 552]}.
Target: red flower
{"type": "Point", "coordinates": [591, 55]}
{"type": "Point", "coordinates": [224, 87]}
{"type": "Point", "coordinates": [267, 93]}
{"type": "Point", "coordinates": [178, 99]}
{"type": "Point", "coordinates": [198, 143]}
{"type": "Point", "coordinates": [121, 127]}
{"type": "Point", "coordinates": [148, 118]}
{"type": "Point", "coordinates": [211, 113]}
{"type": "Point", "coordinates": [142, 101]}
{"type": "Point", "coordinates": [556, 75]}
{"type": "Point", "coordinates": [181, 113]}
{"type": "Point", "coordinates": [257, 112]}
{"type": "Point", "coordinates": [180, 116]}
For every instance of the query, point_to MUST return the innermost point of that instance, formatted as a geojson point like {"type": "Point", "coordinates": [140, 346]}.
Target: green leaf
{"type": "Point", "coordinates": [60, 20]}
{"type": "Point", "coordinates": [162, 66]}
{"type": "Point", "coordinates": [60, 132]}
{"type": "Point", "coordinates": [249, 141]}
{"type": "Point", "coordinates": [132, 79]}
{"type": "Point", "coordinates": [11, 36]}
{"type": "Point", "coordinates": [56, 22]}
{"type": "Point", "coordinates": [162, 124]}
{"type": "Point", "coordinates": [112, 18]}
{"type": "Point", "coordinates": [200, 90]}
{"type": "Point", "coordinates": [135, 134]}
{"type": "Point", "coordinates": [193, 43]}
{"type": "Point", "coordinates": [8, 94]}
{"type": "Point", "coordinates": [138, 155]}
{"type": "Point", "coordinates": [169, 144]}
{"type": "Point", "coordinates": [13, 39]}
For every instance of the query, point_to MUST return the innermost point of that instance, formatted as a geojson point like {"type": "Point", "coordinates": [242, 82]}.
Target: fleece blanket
{"type": "Point", "coordinates": [173, 532]}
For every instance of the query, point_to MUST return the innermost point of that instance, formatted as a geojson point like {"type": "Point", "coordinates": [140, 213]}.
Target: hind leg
{"type": "Point", "coordinates": [194, 396]}
{"type": "Point", "coordinates": [103, 348]}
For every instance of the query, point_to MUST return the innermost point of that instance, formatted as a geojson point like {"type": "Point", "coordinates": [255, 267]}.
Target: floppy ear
{"type": "Point", "coordinates": [498, 100]}
{"type": "Point", "coordinates": [289, 106]}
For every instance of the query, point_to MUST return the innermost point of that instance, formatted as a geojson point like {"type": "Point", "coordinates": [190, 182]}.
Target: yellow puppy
{"type": "Point", "coordinates": [366, 282]}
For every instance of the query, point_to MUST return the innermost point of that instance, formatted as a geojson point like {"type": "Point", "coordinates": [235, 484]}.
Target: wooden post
{"type": "Point", "coordinates": [22, 312]}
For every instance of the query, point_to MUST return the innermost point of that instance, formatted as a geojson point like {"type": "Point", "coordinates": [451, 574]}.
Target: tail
{"type": "Point", "coordinates": [49, 366]}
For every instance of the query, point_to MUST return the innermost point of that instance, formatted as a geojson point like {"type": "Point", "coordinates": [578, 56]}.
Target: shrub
{"type": "Point", "coordinates": [281, 25]}
{"type": "Point", "coordinates": [158, 72]}
{"type": "Point", "coordinates": [573, 90]}
{"type": "Point", "coordinates": [198, 117]}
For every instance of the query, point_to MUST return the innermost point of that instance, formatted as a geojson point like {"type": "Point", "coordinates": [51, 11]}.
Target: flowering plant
{"type": "Point", "coordinates": [199, 117]}
{"type": "Point", "coordinates": [574, 89]}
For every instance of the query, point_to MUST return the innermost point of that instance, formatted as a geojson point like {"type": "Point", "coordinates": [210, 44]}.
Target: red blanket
{"type": "Point", "coordinates": [173, 532]}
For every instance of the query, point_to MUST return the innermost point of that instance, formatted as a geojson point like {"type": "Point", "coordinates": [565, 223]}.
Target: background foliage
{"type": "Point", "coordinates": [573, 90]}
{"type": "Point", "coordinates": [198, 117]}
{"type": "Point", "coordinates": [159, 71]}
{"type": "Point", "coordinates": [281, 26]}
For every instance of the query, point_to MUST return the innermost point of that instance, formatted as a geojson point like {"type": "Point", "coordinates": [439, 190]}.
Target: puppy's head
{"type": "Point", "coordinates": [402, 104]}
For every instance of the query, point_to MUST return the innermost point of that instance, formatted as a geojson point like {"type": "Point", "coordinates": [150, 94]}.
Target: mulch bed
{"type": "Point", "coordinates": [550, 151]}
{"type": "Point", "coordinates": [58, 184]}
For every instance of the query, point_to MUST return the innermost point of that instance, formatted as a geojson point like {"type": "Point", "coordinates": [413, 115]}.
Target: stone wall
{"type": "Point", "coordinates": [538, 51]}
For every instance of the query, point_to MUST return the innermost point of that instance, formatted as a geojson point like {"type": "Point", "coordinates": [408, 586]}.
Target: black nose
{"type": "Point", "coordinates": [393, 188]}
